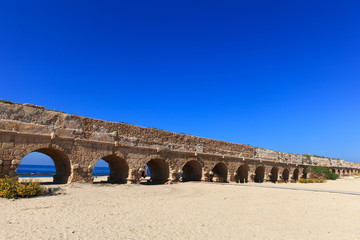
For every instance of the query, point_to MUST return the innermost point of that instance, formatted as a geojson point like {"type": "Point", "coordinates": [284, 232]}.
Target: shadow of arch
{"type": "Point", "coordinates": [242, 174]}
{"type": "Point", "coordinates": [259, 174]}
{"type": "Point", "coordinates": [61, 162]}
{"type": "Point", "coordinates": [296, 174]}
{"type": "Point", "coordinates": [285, 174]}
{"type": "Point", "coordinates": [192, 171]}
{"type": "Point", "coordinates": [159, 171]}
{"type": "Point", "coordinates": [220, 172]}
{"type": "Point", "coordinates": [274, 174]}
{"type": "Point", "coordinates": [119, 169]}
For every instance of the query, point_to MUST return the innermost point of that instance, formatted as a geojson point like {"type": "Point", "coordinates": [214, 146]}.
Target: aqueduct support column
{"type": "Point", "coordinates": [205, 176]}
{"type": "Point", "coordinates": [251, 176]}
{"type": "Point", "coordinates": [267, 176]}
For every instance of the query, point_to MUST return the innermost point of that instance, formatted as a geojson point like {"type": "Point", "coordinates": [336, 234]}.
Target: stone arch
{"type": "Point", "coordinates": [159, 170]}
{"type": "Point", "coordinates": [274, 174]}
{"type": "Point", "coordinates": [192, 171]}
{"type": "Point", "coordinates": [57, 154]}
{"type": "Point", "coordinates": [242, 174]}
{"type": "Point", "coordinates": [285, 175]}
{"type": "Point", "coordinates": [333, 170]}
{"type": "Point", "coordinates": [220, 172]}
{"type": "Point", "coordinates": [296, 174]}
{"type": "Point", "coordinates": [119, 168]}
{"type": "Point", "coordinates": [259, 174]}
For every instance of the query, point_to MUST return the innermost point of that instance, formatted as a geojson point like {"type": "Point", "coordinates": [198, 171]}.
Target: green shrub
{"type": "Point", "coordinates": [11, 188]}
{"type": "Point", "coordinates": [321, 170]}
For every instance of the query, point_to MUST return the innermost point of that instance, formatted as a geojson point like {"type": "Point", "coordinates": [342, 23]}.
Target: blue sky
{"type": "Point", "coordinates": [282, 75]}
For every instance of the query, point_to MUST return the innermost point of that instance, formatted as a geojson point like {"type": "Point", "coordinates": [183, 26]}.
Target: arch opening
{"type": "Point", "coordinates": [274, 174]}
{"type": "Point", "coordinates": [112, 166]}
{"type": "Point", "coordinates": [285, 175]}
{"type": "Point", "coordinates": [46, 162]}
{"type": "Point", "coordinates": [304, 173]}
{"type": "Point", "coordinates": [242, 174]}
{"type": "Point", "coordinates": [259, 174]}
{"type": "Point", "coordinates": [220, 173]}
{"type": "Point", "coordinates": [333, 170]}
{"type": "Point", "coordinates": [296, 174]}
{"type": "Point", "coordinates": [192, 171]}
{"type": "Point", "coordinates": [159, 171]}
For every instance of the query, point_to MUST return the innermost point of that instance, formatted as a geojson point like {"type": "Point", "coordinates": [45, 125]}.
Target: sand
{"type": "Point", "coordinates": [188, 211]}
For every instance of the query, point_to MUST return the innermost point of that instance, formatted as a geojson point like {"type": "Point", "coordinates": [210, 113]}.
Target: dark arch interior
{"type": "Point", "coordinates": [220, 173]}
{"type": "Point", "coordinates": [61, 162]}
{"type": "Point", "coordinates": [192, 171]}
{"type": "Point", "coordinates": [333, 170]}
{"type": "Point", "coordinates": [285, 175]}
{"type": "Point", "coordinates": [304, 173]}
{"type": "Point", "coordinates": [296, 174]}
{"type": "Point", "coordinates": [274, 174]}
{"type": "Point", "coordinates": [119, 169]}
{"type": "Point", "coordinates": [242, 174]}
{"type": "Point", "coordinates": [259, 174]}
{"type": "Point", "coordinates": [159, 171]}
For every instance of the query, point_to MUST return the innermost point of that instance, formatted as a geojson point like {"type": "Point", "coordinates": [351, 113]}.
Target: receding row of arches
{"type": "Point", "coordinates": [345, 171]}
{"type": "Point", "coordinates": [192, 170]}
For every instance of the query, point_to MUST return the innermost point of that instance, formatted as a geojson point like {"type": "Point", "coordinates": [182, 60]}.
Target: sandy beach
{"type": "Point", "coordinates": [188, 211]}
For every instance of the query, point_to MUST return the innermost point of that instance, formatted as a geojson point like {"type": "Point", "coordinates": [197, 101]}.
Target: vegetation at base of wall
{"type": "Point", "coordinates": [311, 180]}
{"type": "Point", "coordinates": [12, 188]}
{"type": "Point", "coordinates": [321, 170]}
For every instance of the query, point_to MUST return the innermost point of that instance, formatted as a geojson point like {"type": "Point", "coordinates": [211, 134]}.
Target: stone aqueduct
{"type": "Point", "coordinates": [76, 143]}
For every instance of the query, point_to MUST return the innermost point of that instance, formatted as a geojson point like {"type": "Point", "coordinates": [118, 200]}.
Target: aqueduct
{"type": "Point", "coordinates": [76, 143]}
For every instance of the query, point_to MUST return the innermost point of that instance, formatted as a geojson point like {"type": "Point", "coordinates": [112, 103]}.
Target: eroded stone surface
{"type": "Point", "coordinates": [76, 143]}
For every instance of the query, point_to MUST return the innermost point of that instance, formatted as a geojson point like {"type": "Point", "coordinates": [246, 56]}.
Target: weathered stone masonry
{"type": "Point", "coordinates": [76, 143]}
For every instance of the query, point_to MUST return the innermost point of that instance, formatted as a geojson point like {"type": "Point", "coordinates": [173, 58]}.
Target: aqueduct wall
{"type": "Point", "coordinates": [76, 143]}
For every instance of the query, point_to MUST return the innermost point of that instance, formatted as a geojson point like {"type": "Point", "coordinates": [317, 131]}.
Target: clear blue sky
{"type": "Point", "coordinates": [283, 75]}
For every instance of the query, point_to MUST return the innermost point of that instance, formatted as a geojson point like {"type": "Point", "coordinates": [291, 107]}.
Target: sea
{"type": "Point", "coordinates": [49, 171]}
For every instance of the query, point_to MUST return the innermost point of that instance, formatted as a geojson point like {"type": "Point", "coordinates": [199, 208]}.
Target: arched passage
{"type": "Point", "coordinates": [220, 173]}
{"type": "Point", "coordinates": [259, 174]}
{"type": "Point", "coordinates": [119, 169]}
{"type": "Point", "coordinates": [304, 173]}
{"type": "Point", "coordinates": [274, 174]}
{"type": "Point", "coordinates": [285, 175]}
{"type": "Point", "coordinates": [296, 174]}
{"type": "Point", "coordinates": [159, 170]}
{"type": "Point", "coordinates": [333, 170]}
{"type": "Point", "coordinates": [192, 171]}
{"type": "Point", "coordinates": [242, 174]}
{"type": "Point", "coordinates": [61, 162]}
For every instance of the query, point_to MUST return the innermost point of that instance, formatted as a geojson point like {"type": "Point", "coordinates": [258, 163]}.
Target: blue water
{"type": "Point", "coordinates": [48, 171]}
